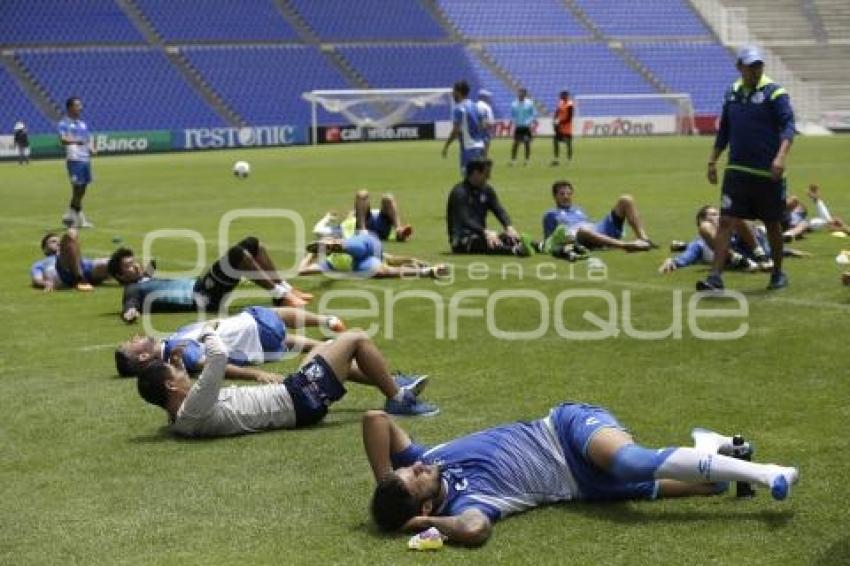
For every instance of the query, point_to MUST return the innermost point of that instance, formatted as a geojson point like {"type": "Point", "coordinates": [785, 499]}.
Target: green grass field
{"type": "Point", "coordinates": [89, 476]}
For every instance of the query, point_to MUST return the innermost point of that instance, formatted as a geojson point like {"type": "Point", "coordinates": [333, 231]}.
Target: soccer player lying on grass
{"type": "Point", "coordinates": [64, 265]}
{"type": "Point", "coordinates": [796, 222]}
{"type": "Point", "coordinates": [205, 292]}
{"type": "Point", "coordinates": [384, 222]}
{"type": "Point", "coordinates": [466, 217]}
{"type": "Point", "coordinates": [748, 248]}
{"type": "Point", "coordinates": [568, 223]}
{"type": "Point", "coordinates": [577, 452]}
{"type": "Point", "coordinates": [203, 409]}
{"type": "Point", "coordinates": [363, 255]}
{"type": "Point", "coordinates": [256, 335]}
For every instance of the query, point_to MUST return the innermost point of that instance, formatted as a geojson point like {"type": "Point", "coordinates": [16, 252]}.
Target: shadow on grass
{"type": "Point", "coordinates": [623, 512]}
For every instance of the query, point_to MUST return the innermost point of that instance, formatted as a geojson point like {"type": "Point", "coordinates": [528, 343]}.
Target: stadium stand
{"type": "Point", "coordinates": [123, 88]}
{"type": "Point", "coordinates": [343, 20]}
{"type": "Point", "coordinates": [48, 22]}
{"type": "Point", "coordinates": [16, 106]}
{"type": "Point", "coordinates": [264, 83]}
{"type": "Point", "coordinates": [543, 18]}
{"type": "Point", "coordinates": [647, 18]}
{"type": "Point", "coordinates": [217, 20]}
{"type": "Point", "coordinates": [703, 70]}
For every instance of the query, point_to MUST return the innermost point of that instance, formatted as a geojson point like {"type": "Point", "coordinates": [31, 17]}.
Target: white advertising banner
{"type": "Point", "coordinates": [7, 147]}
{"type": "Point", "coordinates": [590, 126]}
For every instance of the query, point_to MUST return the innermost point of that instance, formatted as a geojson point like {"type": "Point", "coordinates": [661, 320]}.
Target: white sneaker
{"type": "Point", "coordinates": [82, 222]}
{"type": "Point", "coordinates": [69, 219]}
{"type": "Point", "coordinates": [710, 441]}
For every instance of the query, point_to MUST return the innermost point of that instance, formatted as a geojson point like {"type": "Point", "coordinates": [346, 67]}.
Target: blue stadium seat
{"type": "Point", "coordinates": [16, 106]}
{"type": "Point", "coordinates": [629, 18]}
{"type": "Point", "coordinates": [122, 88]}
{"type": "Point", "coordinates": [264, 83]}
{"type": "Point", "coordinates": [368, 19]}
{"type": "Point", "coordinates": [487, 19]}
{"type": "Point", "coordinates": [222, 20]}
{"type": "Point", "coordinates": [31, 22]}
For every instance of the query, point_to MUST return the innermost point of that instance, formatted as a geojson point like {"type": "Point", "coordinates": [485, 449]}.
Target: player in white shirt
{"type": "Point", "coordinates": [485, 112]}
{"type": "Point", "coordinates": [205, 409]}
{"type": "Point", "coordinates": [75, 135]}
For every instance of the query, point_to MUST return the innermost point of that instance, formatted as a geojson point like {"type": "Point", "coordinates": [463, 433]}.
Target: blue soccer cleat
{"type": "Point", "coordinates": [412, 382]}
{"type": "Point", "coordinates": [410, 406]}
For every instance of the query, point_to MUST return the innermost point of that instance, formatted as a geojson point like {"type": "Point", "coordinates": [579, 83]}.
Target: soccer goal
{"type": "Point", "coordinates": [634, 114]}
{"type": "Point", "coordinates": [375, 108]}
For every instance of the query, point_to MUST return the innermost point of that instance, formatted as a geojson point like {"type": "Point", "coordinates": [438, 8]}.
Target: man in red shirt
{"type": "Point", "coordinates": [563, 126]}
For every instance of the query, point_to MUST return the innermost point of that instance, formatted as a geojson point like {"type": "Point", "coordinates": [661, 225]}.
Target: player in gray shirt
{"type": "Point", "coordinates": [204, 409]}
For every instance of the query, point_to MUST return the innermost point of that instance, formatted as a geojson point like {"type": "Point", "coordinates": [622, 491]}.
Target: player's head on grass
{"type": "Point", "coordinates": [159, 381]}
{"type": "Point", "coordinates": [460, 91]}
{"type": "Point", "coordinates": [50, 243]}
{"type": "Point", "coordinates": [562, 192]}
{"type": "Point", "coordinates": [134, 354]}
{"type": "Point", "coordinates": [708, 213]}
{"type": "Point", "coordinates": [124, 266]}
{"type": "Point", "coordinates": [478, 171]}
{"type": "Point", "coordinates": [406, 493]}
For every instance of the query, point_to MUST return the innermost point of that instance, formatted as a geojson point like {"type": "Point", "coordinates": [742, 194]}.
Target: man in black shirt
{"type": "Point", "coordinates": [466, 217]}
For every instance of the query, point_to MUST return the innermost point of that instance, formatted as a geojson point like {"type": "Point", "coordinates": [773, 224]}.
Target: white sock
{"type": "Point", "coordinates": [280, 290]}
{"type": "Point", "coordinates": [692, 465]}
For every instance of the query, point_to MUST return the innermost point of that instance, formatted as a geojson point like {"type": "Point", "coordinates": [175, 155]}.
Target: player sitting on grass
{"type": "Point", "coordinates": [363, 256]}
{"type": "Point", "coordinates": [203, 409]}
{"type": "Point", "coordinates": [64, 265]}
{"type": "Point", "coordinates": [749, 249]}
{"type": "Point", "coordinates": [256, 335]}
{"type": "Point", "coordinates": [578, 452]}
{"type": "Point", "coordinates": [384, 222]}
{"type": "Point", "coordinates": [466, 217]}
{"type": "Point", "coordinates": [143, 290]}
{"type": "Point", "coordinates": [567, 223]}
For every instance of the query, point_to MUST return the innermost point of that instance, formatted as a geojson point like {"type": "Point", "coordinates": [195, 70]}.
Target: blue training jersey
{"type": "Point", "coordinates": [523, 113]}
{"type": "Point", "coordinates": [44, 268]}
{"type": "Point", "coordinates": [570, 217]}
{"type": "Point", "coordinates": [503, 470]}
{"type": "Point", "coordinates": [78, 131]}
{"type": "Point", "coordinates": [465, 115]}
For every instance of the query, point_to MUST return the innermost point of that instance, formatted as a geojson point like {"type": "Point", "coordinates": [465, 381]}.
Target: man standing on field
{"type": "Point", "coordinates": [74, 134]}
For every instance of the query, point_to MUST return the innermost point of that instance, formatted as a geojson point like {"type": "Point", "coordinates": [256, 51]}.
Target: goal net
{"type": "Point", "coordinates": [633, 115]}
{"type": "Point", "coordinates": [376, 108]}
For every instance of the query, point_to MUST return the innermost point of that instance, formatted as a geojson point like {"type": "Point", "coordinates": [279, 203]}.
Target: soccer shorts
{"type": "Point", "coordinates": [79, 172]}
{"type": "Point", "coordinates": [576, 424]}
{"type": "Point", "coordinates": [611, 226]}
{"type": "Point", "coordinates": [67, 277]}
{"type": "Point", "coordinates": [522, 134]}
{"type": "Point", "coordinates": [223, 276]}
{"type": "Point", "coordinates": [271, 330]}
{"type": "Point", "coordinates": [379, 223]}
{"type": "Point", "coordinates": [313, 388]}
{"type": "Point", "coordinates": [751, 197]}
{"type": "Point", "coordinates": [366, 253]}
{"type": "Point", "coordinates": [470, 154]}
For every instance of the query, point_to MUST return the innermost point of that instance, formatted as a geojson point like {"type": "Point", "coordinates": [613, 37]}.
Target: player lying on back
{"type": "Point", "coordinates": [384, 222]}
{"type": "Point", "coordinates": [797, 222]}
{"type": "Point", "coordinates": [145, 292]}
{"type": "Point", "coordinates": [578, 452]}
{"type": "Point", "coordinates": [204, 409]}
{"type": "Point", "coordinates": [64, 266]}
{"type": "Point", "coordinates": [257, 335]}
{"type": "Point", "coordinates": [748, 250]}
{"type": "Point", "coordinates": [362, 255]}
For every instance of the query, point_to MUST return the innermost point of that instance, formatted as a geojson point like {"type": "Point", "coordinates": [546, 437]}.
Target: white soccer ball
{"type": "Point", "coordinates": [241, 169]}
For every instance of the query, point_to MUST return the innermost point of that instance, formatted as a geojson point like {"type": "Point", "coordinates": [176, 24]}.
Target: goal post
{"type": "Point", "coordinates": [374, 108]}
{"type": "Point", "coordinates": [634, 114]}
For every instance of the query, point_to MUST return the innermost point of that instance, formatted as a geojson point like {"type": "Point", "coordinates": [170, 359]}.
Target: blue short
{"type": "Point", "coordinates": [366, 252]}
{"type": "Point", "coordinates": [68, 278]}
{"type": "Point", "coordinates": [576, 424]}
{"type": "Point", "coordinates": [271, 329]}
{"type": "Point", "coordinates": [379, 223]}
{"type": "Point", "coordinates": [611, 226]}
{"type": "Point", "coordinates": [313, 388]}
{"type": "Point", "coordinates": [79, 172]}
{"type": "Point", "coordinates": [467, 155]}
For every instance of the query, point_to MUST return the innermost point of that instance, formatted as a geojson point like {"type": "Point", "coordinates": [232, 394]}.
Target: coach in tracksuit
{"type": "Point", "coordinates": [757, 124]}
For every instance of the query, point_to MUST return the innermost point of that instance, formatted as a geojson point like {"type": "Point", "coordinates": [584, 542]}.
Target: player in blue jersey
{"type": "Point", "coordinates": [466, 127]}
{"type": "Point", "coordinates": [255, 336]}
{"type": "Point", "coordinates": [64, 265]}
{"type": "Point", "coordinates": [568, 223]}
{"type": "Point", "coordinates": [577, 452]}
{"type": "Point", "coordinates": [524, 117]}
{"type": "Point", "coordinates": [384, 222]}
{"type": "Point", "coordinates": [486, 116]}
{"type": "Point", "coordinates": [363, 255]}
{"type": "Point", "coordinates": [145, 293]}
{"type": "Point", "coordinates": [75, 135]}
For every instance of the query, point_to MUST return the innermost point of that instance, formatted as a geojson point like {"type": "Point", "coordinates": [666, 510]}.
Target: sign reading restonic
{"type": "Point", "coordinates": [341, 134]}
{"type": "Point", "coordinates": [256, 136]}
{"type": "Point", "coordinates": [605, 126]}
